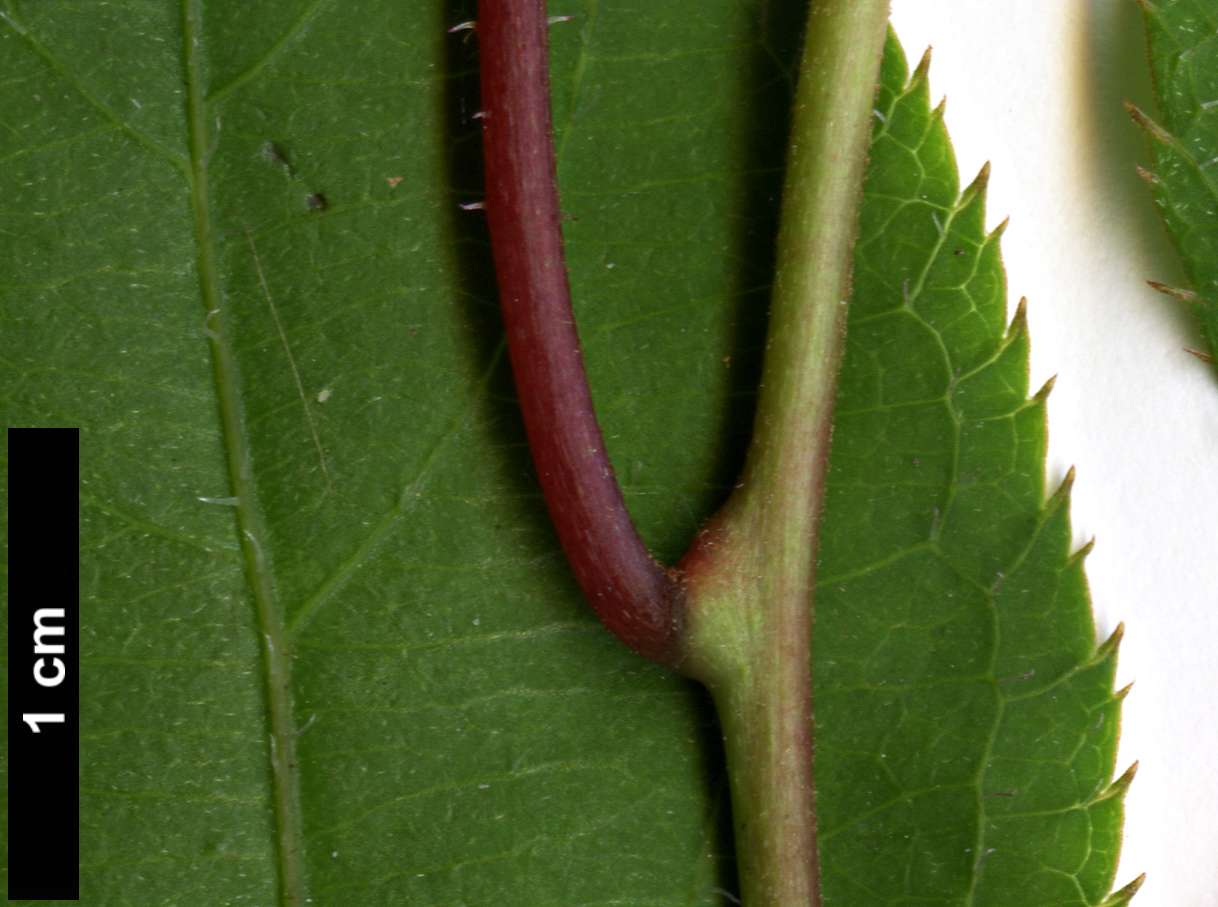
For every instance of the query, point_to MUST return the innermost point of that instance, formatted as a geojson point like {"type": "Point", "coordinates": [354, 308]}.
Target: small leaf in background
{"type": "Point", "coordinates": [1183, 37]}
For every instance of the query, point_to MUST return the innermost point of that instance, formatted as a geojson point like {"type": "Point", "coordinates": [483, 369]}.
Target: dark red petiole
{"type": "Point", "coordinates": [633, 595]}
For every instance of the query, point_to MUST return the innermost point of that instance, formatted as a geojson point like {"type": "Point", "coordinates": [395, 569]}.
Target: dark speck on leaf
{"type": "Point", "coordinates": [317, 202]}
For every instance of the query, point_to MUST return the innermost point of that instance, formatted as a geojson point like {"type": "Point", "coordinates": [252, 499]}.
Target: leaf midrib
{"type": "Point", "coordinates": [289, 837]}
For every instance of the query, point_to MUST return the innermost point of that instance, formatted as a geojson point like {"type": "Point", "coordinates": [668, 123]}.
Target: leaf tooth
{"type": "Point", "coordinates": [1061, 497]}
{"type": "Point", "coordinates": [1149, 126]}
{"type": "Point", "coordinates": [1082, 552]}
{"type": "Point", "coordinates": [1118, 634]}
{"type": "Point", "coordinates": [1175, 292]}
{"type": "Point", "coordinates": [1107, 652]}
{"type": "Point", "coordinates": [1151, 178]}
{"type": "Point", "coordinates": [1204, 357]}
{"type": "Point", "coordinates": [1118, 787]}
{"type": "Point", "coordinates": [1122, 897]}
{"type": "Point", "coordinates": [1155, 134]}
{"type": "Point", "coordinates": [1110, 645]}
{"type": "Point", "coordinates": [977, 187]}
{"type": "Point", "coordinates": [982, 179]}
{"type": "Point", "coordinates": [1041, 396]}
{"type": "Point", "coordinates": [921, 71]}
{"type": "Point", "coordinates": [937, 115]}
{"type": "Point", "coordinates": [1019, 323]}
{"type": "Point", "coordinates": [996, 234]}
{"type": "Point", "coordinates": [1136, 112]}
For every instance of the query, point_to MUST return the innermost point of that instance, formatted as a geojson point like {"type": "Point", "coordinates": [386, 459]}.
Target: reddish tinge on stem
{"type": "Point", "coordinates": [631, 593]}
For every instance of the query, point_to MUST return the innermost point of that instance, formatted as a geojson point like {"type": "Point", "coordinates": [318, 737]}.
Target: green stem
{"type": "Point", "coordinates": [750, 574]}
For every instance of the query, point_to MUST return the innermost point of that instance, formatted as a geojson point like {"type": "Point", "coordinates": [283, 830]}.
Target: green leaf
{"type": "Point", "coordinates": [966, 722]}
{"type": "Point", "coordinates": [1183, 37]}
{"type": "Point", "coordinates": [463, 731]}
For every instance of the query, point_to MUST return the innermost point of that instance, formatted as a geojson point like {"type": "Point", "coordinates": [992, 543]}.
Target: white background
{"type": "Point", "coordinates": [1035, 87]}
